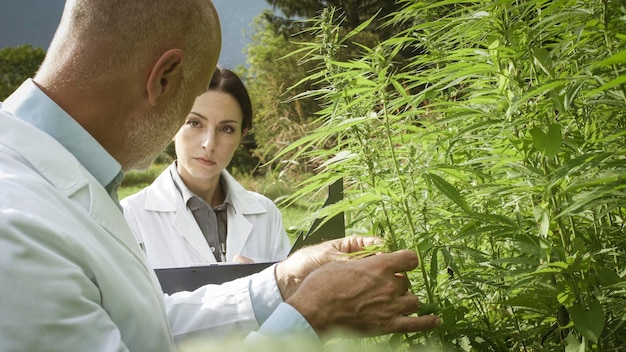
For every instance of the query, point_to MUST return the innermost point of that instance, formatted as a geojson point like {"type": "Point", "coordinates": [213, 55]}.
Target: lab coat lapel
{"type": "Point", "coordinates": [163, 196]}
{"type": "Point", "coordinates": [238, 232]}
{"type": "Point", "coordinates": [107, 214]}
{"type": "Point", "coordinates": [239, 227]}
{"type": "Point", "coordinates": [186, 226]}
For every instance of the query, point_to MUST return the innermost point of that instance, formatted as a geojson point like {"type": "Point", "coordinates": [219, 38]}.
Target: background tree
{"type": "Point", "coordinates": [268, 77]}
{"type": "Point", "coordinates": [275, 72]}
{"type": "Point", "coordinates": [356, 11]}
{"type": "Point", "coordinates": [16, 65]}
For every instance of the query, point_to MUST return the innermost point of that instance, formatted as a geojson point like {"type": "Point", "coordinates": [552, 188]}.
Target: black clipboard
{"type": "Point", "coordinates": [190, 278]}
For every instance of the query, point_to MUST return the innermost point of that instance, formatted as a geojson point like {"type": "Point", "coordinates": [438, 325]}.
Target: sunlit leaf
{"type": "Point", "coordinates": [619, 58]}
{"type": "Point", "coordinates": [573, 345]}
{"type": "Point", "coordinates": [542, 217]}
{"type": "Point", "coordinates": [606, 86]}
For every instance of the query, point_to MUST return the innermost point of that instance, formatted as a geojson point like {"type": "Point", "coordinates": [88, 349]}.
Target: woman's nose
{"type": "Point", "coordinates": [209, 141]}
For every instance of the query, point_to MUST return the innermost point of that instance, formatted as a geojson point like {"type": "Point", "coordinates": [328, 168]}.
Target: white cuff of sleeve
{"type": "Point", "coordinates": [285, 321]}
{"type": "Point", "coordinates": [264, 294]}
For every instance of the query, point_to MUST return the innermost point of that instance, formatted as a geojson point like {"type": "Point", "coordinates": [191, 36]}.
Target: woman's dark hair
{"type": "Point", "coordinates": [226, 81]}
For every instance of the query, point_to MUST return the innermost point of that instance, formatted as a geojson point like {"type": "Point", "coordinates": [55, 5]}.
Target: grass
{"type": "Point", "coordinates": [135, 181]}
{"type": "Point", "coordinates": [126, 191]}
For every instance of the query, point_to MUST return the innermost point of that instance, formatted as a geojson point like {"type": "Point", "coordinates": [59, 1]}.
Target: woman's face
{"type": "Point", "coordinates": [205, 144]}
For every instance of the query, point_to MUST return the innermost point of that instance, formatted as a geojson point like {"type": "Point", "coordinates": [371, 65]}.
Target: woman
{"type": "Point", "coordinates": [195, 213]}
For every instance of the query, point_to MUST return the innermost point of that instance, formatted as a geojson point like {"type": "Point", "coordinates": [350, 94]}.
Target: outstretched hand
{"type": "Point", "coordinates": [291, 272]}
{"type": "Point", "coordinates": [369, 295]}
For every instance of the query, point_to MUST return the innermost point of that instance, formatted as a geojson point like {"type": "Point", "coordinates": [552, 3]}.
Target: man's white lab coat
{"type": "Point", "coordinates": [160, 220]}
{"type": "Point", "coordinates": [73, 276]}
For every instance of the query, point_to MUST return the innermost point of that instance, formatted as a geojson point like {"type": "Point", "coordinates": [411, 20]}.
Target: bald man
{"type": "Point", "coordinates": [118, 81]}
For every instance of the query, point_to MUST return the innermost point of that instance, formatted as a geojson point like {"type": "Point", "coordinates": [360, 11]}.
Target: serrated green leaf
{"type": "Point", "coordinates": [554, 138]}
{"type": "Point", "coordinates": [448, 190]}
{"type": "Point", "coordinates": [359, 28]}
{"type": "Point", "coordinates": [606, 276]}
{"type": "Point", "coordinates": [566, 297]}
{"type": "Point", "coordinates": [540, 138]}
{"type": "Point", "coordinates": [589, 322]}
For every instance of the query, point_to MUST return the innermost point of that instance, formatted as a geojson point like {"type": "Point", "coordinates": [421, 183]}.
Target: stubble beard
{"type": "Point", "coordinates": [149, 133]}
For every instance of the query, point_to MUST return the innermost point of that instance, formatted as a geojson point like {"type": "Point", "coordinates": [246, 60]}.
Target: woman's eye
{"type": "Point", "coordinates": [193, 123]}
{"type": "Point", "coordinates": [228, 129]}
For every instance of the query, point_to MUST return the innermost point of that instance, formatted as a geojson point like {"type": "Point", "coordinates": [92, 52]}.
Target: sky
{"type": "Point", "coordinates": [34, 22]}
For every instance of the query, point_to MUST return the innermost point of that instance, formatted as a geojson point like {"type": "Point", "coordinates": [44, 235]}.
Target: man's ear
{"type": "Point", "coordinates": [165, 76]}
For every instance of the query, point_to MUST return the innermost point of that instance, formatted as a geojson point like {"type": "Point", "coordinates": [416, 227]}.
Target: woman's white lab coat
{"type": "Point", "coordinates": [73, 277]}
{"type": "Point", "coordinates": [171, 236]}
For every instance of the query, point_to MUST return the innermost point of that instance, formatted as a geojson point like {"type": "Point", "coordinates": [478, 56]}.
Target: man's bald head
{"type": "Point", "coordinates": [100, 40]}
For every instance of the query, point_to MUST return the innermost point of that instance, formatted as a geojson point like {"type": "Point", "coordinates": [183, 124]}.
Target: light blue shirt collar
{"type": "Point", "coordinates": [30, 104]}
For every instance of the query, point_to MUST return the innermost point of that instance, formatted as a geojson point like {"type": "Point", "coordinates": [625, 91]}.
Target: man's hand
{"type": "Point", "coordinates": [369, 295]}
{"type": "Point", "coordinates": [292, 271]}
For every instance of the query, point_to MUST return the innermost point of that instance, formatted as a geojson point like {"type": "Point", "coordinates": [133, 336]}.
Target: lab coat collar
{"type": "Point", "coordinates": [30, 104]}
{"type": "Point", "coordinates": [187, 194]}
{"type": "Point", "coordinates": [243, 202]}
{"type": "Point", "coordinates": [59, 167]}
{"type": "Point", "coordinates": [158, 197]}
{"type": "Point", "coordinates": [162, 192]}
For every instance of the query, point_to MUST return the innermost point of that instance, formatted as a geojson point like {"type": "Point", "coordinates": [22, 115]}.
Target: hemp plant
{"type": "Point", "coordinates": [489, 137]}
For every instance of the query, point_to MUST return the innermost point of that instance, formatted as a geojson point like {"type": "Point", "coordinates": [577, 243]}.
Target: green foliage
{"type": "Point", "coordinates": [244, 160]}
{"type": "Point", "coordinates": [277, 68]}
{"type": "Point", "coordinates": [282, 344]}
{"type": "Point", "coordinates": [16, 65]}
{"type": "Point", "coordinates": [126, 191]}
{"type": "Point", "coordinates": [498, 155]}
{"type": "Point", "coordinates": [275, 123]}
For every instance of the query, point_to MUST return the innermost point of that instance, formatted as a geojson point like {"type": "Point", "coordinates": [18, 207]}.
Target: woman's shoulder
{"type": "Point", "coordinates": [156, 192]}
{"type": "Point", "coordinates": [134, 200]}
{"type": "Point", "coordinates": [243, 197]}
{"type": "Point", "coordinates": [261, 198]}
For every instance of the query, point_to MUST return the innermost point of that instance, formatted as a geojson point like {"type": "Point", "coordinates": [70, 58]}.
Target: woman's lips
{"type": "Point", "coordinates": [205, 161]}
